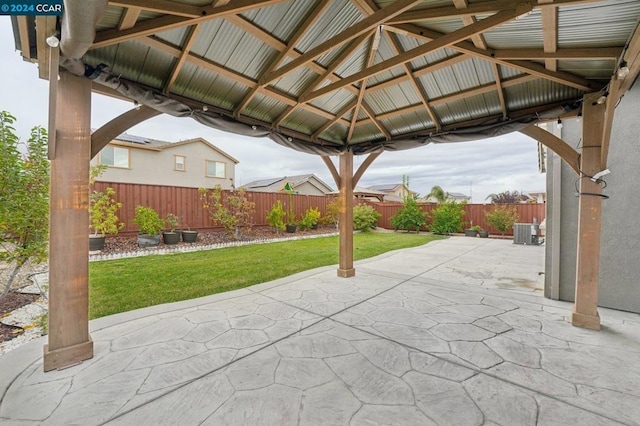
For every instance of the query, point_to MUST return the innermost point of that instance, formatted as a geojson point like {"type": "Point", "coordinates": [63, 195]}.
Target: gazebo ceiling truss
{"type": "Point", "coordinates": [364, 73]}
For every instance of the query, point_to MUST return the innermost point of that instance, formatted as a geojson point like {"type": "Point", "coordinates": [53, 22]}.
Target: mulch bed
{"type": "Point", "coordinates": [128, 243]}
{"type": "Point", "coordinates": [10, 303]}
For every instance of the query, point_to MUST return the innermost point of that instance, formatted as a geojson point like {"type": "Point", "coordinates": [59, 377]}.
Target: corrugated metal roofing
{"type": "Point", "coordinates": [248, 50]}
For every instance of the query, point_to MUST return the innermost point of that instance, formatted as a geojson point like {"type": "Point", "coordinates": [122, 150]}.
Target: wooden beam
{"type": "Point", "coordinates": [348, 107]}
{"type": "Point", "coordinates": [345, 224]}
{"type": "Point", "coordinates": [364, 166]}
{"type": "Point", "coordinates": [162, 7]}
{"type": "Point", "coordinates": [192, 35]}
{"type": "Point", "coordinates": [23, 31]}
{"type": "Point", "coordinates": [557, 145]}
{"type": "Point", "coordinates": [532, 68]}
{"type": "Point", "coordinates": [354, 31]}
{"type": "Point", "coordinates": [585, 308]}
{"type": "Point", "coordinates": [332, 169]}
{"type": "Point", "coordinates": [480, 8]}
{"type": "Point", "coordinates": [317, 10]}
{"type": "Point", "coordinates": [69, 342]}
{"type": "Point", "coordinates": [590, 53]}
{"type": "Point", "coordinates": [168, 22]}
{"type": "Point", "coordinates": [550, 33]}
{"type": "Point", "coordinates": [439, 43]}
{"type": "Point", "coordinates": [129, 18]}
{"type": "Point", "coordinates": [54, 66]}
{"type": "Point", "coordinates": [108, 132]}
{"type": "Point", "coordinates": [46, 26]}
{"type": "Point", "coordinates": [373, 49]}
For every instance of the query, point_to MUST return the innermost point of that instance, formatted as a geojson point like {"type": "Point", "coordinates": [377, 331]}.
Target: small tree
{"type": "Point", "coordinates": [148, 220]}
{"type": "Point", "coordinates": [410, 216]}
{"type": "Point", "coordinates": [24, 198]}
{"type": "Point", "coordinates": [365, 217]}
{"type": "Point", "coordinates": [102, 212]}
{"type": "Point", "coordinates": [507, 197]}
{"type": "Point", "coordinates": [502, 218]}
{"type": "Point", "coordinates": [438, 193]}
{"type": "Point", "coordinates": [275, 217]}
{"type": "Point", "coordinates": [332, 213]}
{"type": "Point", "coordinates": [447, 217]}
{"type": "Point", "coordinates": [231, 210]}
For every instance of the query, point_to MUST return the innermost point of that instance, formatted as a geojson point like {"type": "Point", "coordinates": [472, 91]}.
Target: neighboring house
{"type": "Point", "coordinates": [303, 184]}
{"type": "Point", "coordinates": [452, 196]}
{"type": "Point", "coordinates": [539, 197]}
{"type": "Point", "coordinates": [191, 163]}
{"type": "Point", "coordinates": [393, 192]}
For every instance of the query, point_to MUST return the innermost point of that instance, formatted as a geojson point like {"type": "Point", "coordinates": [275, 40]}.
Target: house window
{"type": "Point", "coordinates": [114, 156]}
{"type": "Point", "coordinates": [216, 169]}
{"type": "Point", "coordinates": [179, 163]}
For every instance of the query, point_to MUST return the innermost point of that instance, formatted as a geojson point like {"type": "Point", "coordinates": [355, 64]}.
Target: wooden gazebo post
{"type": "Point", "coordinates": [69, 340]}
{"type": "Point", "coordinates": [345, 267]}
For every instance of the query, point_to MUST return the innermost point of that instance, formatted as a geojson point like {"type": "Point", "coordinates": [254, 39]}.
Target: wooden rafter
{"type": "Point", "coordinates": [24, 36]}
{"type": "Point", "coordinates": [366, 25]}
{"type": "Point", "coordinates": [413, 78]}
{"type": "Point", "coordinates": [479, 8]}
{"type": "Point", "coordinates": [192, 35]}
{"type": "Point", "coordinates": [337, 118]}
{"type": "Point", "coordinates": [168, 22]}
{"type": "Point", "coordinates": [363, 85]}
{"type": "Point", "coordinates": [550, 33]}
{"type": "Point", "coordinates": [533, 68]}
{"type": "Point", "coordinates": [317, 11]}
{"type": "Point", "coordinates": [129, 18]}
{"type": "Point", "coordinates": [575, 54]}
{"type": "Point", "coordinates": [438, 43]}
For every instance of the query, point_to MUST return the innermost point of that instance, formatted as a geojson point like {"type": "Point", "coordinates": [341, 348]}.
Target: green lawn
{"type": "Point", "coordinates": [127, 284]}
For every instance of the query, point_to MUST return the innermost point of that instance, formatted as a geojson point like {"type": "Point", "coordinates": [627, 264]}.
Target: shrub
{"type": "Point", "coordinates": [171, 221]}
{"type": "Point", "coordinates": [332, 214]}
{"type": "Point", "coordinates": [502, 218]}
{"type": "Point", "coordinates": [148, 220]}
{"type": "Point", "coordinates": [447, 218]}
{"type": "Point", "coordinates": [231, 210]}
{"type": "Point", "coordinates": [102, 212]}
{"type": "Point", "coordinates": [275, 217]}
{"type": "Point", "coordinates": [310, 218]}
{"type": "Point", "coordinates": [410, 216]}
{"type": "Point", "coordinates": [365, 217]}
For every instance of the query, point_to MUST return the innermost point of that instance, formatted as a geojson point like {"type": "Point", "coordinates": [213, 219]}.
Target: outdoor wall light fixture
{"type": "Point", "coordinates": [602, 99]}
{"type": "Point", "coordinates": [205, 108]}
{"type": "Point", "coordinates": [53, 40]}
{"type": "Point", "coordinates": [559, 124]}
{"type": "Point", "coordinates": [623, 71]}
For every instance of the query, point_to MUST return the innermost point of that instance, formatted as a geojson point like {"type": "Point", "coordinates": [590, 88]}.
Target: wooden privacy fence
{"type": "Point", "coordinates": [474, 214]}
{"type": "Point", "coordinates": [185, 202]}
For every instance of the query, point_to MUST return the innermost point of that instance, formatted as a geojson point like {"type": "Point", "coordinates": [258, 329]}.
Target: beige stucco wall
{"type": "Point", "coordinates": [157, 167]}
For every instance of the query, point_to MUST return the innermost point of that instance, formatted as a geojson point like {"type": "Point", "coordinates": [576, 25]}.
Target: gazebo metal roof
{"type": "Point", "coordinates": [319, 76]}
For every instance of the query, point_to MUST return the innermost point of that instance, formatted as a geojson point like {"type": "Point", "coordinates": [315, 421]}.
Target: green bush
{"type": "Point", "coordinates": [502, 218]}
{"type": "Point", "coordinates": [410, 216]}
{"type": "Point", "coordinates": [310, 218]}
{"type": "Point", "coordinates": [332, 213]}
{"type": "Point", "coordinates": [447, 218]}
{"type": "Point", "coordinates": [275, 217]}
{"type": "Point", "coordinates": [148, 220]}
{"type": "Point", "coordinates": [103, 209]}
{"type": "Point", "coordinates": [365, 217]}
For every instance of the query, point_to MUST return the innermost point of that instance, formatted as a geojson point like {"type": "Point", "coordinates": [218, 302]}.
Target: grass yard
{"type": "Point", "coordinates": [127, 284]}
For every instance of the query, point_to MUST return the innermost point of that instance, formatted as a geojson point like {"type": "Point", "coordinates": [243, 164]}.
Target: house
{"type": "Point", "coordinates": [194, 163]}
{"type": "Point", "coordinates": [302, 184]}
{"type": "Point", "coordinates": [539, 197]}
{"type": "Point", "coordinates": [458, 197]}
{"type": "Point", "coordinates": [393, 192]}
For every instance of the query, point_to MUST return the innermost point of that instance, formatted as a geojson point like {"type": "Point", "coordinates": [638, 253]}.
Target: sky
{"type": "Point", "coordinates": [477, 168]}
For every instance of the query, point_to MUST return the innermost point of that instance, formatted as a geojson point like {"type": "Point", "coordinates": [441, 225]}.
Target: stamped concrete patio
{"type": "Point", "coordinates": [455, 332]}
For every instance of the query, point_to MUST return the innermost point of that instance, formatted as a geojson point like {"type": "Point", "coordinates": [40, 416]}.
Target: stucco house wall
{"type": "Point", "coordinates": [156, 166]}
{"type": "Point", "coordinates": [620, 241]}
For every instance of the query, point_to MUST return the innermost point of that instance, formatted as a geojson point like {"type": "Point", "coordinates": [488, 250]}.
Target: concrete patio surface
{"type": "Point", "coordinates": [455, 332]}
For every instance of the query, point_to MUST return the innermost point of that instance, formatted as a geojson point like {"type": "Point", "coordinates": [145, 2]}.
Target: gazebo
{"type": "Point", "coordinates": [335, 78]}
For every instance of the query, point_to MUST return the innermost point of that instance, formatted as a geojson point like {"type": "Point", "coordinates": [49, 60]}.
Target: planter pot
{"type": "Point", "coordinates": [470, 233]}
{"type": "Point", "coordinates": [96, 242]}
{"type": "Point", "coordinates": [291, 228]}
{"type": "Point", "coordinates": [483, 234]}
{"type": "Point", "coordinates": [170, 238]}
{"type": "Point", "coordinates": [145, 240]}
{"type": "Point", "coordinates": [189, 236]}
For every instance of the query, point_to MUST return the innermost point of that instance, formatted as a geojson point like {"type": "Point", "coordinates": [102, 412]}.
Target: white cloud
{"type": "Point", "coordinates": [484, 167]}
